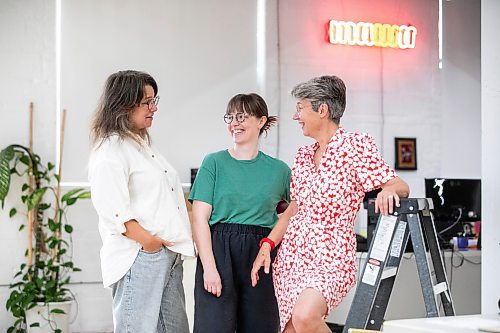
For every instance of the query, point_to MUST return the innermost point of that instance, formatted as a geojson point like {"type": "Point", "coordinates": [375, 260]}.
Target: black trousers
{"type": "Point", "coordinates": [240, 308]}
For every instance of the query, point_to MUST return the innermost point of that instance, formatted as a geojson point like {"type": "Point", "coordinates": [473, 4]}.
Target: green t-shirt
{"type": "Point", "coordinates": [242, 191]}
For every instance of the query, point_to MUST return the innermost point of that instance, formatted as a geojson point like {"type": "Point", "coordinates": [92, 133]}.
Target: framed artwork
{"type": "Point", "coordinates": [406, 153]}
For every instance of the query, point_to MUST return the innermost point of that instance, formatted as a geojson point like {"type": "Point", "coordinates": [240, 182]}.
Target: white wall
{"type": "Point", "coordinates": [461, 82]}
{"type": "Point", "coordinates": [390, 92]}
{"type": "Point", "coordinates": [27, 66]}
{"type": "Point", "coordinates": [200, 60]}
{"type": "Point", "coordinates": [490, 98]}
{"type": "Point", "coordinates": [201, 54]}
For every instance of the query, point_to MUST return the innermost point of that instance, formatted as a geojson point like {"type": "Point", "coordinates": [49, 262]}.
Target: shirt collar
{"type": "Point", "coordinates": [335, 141]}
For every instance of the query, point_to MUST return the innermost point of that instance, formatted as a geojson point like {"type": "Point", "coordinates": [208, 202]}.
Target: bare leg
{"type": "Point", "coordinates": [289, 328]}
{"type": "Point", "coordinates": [308, 313]}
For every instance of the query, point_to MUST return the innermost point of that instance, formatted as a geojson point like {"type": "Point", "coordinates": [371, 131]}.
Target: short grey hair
{"type": "Point", "coordinates": [327, 89]}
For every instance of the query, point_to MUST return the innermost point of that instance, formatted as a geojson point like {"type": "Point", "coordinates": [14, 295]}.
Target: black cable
{"type": "Point", "coordinates": [464, 259]}
{"type": "Point", "coordinates": [454, 223]}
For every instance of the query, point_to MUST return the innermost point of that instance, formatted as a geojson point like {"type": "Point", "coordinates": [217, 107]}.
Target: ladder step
{"type": "Point", "coordinates": [440, 288]}
{"type": "Point", "coordinates": [389, 272]}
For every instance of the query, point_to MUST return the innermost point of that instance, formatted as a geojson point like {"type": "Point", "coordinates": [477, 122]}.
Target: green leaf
{"type": "Point", "coordinates": [68, 228]}
{"type": "Point", "coordinates": [21, 227]}
{"type": "Point", "coordinates": [6, 156]}
{"type": "Point", "coordinates": [57, 311]}
{"type": "Point", "coordinates": [35, 198]}
{"type": "Point", "coordinates": [70, 194]}
{"type": "Point", "coordinates": [44, 206]}
{"type": "Point", "coordinates": [71, 201]}
{"type": "Point", "coordinates": [25, 160]}
{"type": "Point", "coordinates": [50, 284]}
{"type": "Point", "coordinates": [50, 166]}
{"type": "Point", "coordinates": [12, 212]}
{"type": "Point", "coordinates": [84, 195]}
{"type": "Point", "coordinates": [25, 187]}
{"type": "Point", "coordinates": [35, 325]}
{"type": "Point", "coordinates": [52, 225]}
{"type": "Point", "coordinates": [53, 243]}
{"type": "Point", "coordinates": [39, 282]}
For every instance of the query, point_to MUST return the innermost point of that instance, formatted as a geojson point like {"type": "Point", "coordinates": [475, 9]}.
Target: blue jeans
{"type": "Point", "coordinates": [150, 297]}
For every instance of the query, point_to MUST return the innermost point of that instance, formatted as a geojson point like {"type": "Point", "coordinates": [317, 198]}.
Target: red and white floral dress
{"type": "Point", "coordinates": [318, 249]}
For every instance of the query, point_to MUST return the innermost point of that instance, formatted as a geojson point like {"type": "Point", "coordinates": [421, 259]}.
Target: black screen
{"type": "Point", "coordinates": [454, 198]}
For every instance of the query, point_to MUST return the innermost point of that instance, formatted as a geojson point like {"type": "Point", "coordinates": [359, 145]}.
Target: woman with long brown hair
{"type": "Point", "coordinates": [143, 220]}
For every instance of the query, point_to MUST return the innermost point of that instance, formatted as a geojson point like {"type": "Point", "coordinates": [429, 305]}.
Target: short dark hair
{"type": "Point", "coordinates": [253, 105]}
{"type": "Point", "coordinates": [327, 89]}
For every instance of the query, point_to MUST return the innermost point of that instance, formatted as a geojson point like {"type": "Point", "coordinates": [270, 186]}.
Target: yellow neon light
{"type": "Point", "coordinates": [372, 34]}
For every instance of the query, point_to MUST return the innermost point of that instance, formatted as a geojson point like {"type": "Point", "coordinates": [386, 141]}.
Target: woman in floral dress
{"type": "Point", "coordinates": [315, 267]}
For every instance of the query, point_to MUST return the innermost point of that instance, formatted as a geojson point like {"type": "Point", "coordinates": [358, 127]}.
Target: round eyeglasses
{"type": "Point", "coordinates": [152, 102]}
{"type": "Point", "coordinates": [240, 117]}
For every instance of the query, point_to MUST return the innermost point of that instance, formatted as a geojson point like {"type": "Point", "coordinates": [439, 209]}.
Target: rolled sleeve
{"type": "Point", "coordinates": [110, 195]}
{"type": "Point", "coordinates": [372, 170]}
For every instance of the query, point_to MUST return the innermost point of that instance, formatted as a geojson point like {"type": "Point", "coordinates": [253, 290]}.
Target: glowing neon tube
{"type": "Point", "coordinates": [372, 34]}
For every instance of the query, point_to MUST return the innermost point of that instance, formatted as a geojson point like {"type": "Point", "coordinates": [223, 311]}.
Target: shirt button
{"type": "Point", "coordinates": [172, 189]}
{"type": "Point", "coordinates": [165, 171]}
{"type": "Point", "coordinates": [153, 156]}
{"type": "Point", "coordinates": [116, 215]}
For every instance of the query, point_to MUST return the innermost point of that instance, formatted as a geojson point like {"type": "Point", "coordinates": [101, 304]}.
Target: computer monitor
{"type": "Point", "coordinates": [457, 204]}
{"type": "Point", "coordinates": [455, 199]}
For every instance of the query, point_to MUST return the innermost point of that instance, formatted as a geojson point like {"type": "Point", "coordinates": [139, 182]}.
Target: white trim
{"type": "Point", "coordinates": [261, 46]}
{"type": "Point", "coordinates": [58, 81]}
{"type": "Point", "coordinates": [440, 35]}
{"type": "Point", "coordinates": [75, 184]}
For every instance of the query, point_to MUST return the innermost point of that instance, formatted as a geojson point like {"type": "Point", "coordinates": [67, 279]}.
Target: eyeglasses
{"type": "Point", "coordinates": [152, 102]}
{"type": "Point", "coordinates": [314, 106]}
{"type": "Point", "coordinates": [240, 117]}
{"type": "Point", "coordinates": [298, 109]}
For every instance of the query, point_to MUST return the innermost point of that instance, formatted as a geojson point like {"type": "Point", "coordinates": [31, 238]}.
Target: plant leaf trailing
{"type": "Point", "coordinates": [45, 277]}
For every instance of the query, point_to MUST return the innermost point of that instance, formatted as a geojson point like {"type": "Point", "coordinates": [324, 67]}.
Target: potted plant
{"type": "Point", "coordinates": [42, 280]}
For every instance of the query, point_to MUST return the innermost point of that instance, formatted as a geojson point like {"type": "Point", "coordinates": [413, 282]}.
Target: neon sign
{"type": "Point", "coordinates": [372, 34]}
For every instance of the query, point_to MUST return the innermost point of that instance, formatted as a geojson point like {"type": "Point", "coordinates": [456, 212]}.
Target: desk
{"type": "Point", "coordinates": [406, 300]}
{"type": "Point", "coordinates": [456, 324]}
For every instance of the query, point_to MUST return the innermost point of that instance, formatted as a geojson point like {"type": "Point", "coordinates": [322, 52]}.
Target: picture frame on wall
{"type": "Point", "coordinates": [406, 153]}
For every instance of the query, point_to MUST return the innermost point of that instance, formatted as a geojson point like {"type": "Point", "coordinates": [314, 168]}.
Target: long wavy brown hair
{"type": "Point", "coordinates": [123, 91]}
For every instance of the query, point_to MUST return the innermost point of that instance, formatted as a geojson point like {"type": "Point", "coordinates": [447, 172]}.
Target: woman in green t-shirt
{"type": "Point", "coordinates": [234, 198]}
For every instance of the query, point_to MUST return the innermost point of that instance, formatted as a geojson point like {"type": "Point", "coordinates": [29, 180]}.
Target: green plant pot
{"type": "Point", "coordinates": [47, 319]}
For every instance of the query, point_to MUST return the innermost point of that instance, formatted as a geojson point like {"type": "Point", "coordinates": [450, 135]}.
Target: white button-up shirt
{"type": "Point", "coordinates": [131, 181]}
